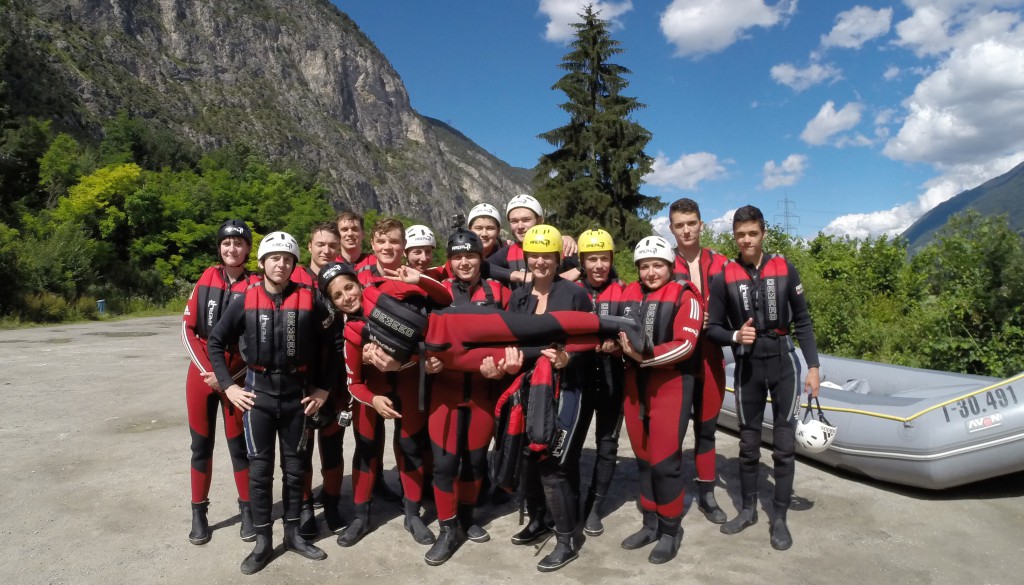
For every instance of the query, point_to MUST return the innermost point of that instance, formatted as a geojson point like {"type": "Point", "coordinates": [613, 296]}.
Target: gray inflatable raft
{"type": "Point", "coordinates": [910, 426]}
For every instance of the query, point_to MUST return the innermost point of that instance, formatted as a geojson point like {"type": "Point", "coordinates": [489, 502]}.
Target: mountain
{"type": "Point", "coordinates": [295, 79]}
{"type": "Point", "coordinates": [1003, 194]}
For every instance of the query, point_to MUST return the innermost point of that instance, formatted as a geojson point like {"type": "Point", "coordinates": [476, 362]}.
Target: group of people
{"type": "Point", "coordinates": [432, 348]}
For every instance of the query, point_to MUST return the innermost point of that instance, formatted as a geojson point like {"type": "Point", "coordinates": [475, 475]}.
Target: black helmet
{"type": "Point", "coordinates": [463, 241]}
{"type": "Point", "coordinates": [330, 271]}
{"type": "Point", "coordinates": [234, 228]}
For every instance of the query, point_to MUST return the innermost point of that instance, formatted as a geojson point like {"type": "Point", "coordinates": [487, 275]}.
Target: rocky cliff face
{"type": "Point", "coordinates": [294, 78]}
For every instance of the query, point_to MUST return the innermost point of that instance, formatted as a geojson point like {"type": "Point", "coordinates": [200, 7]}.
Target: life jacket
{"type": "Point", "coordinates": [515, 257]}
{"type": "Point", "coordinates": [486, 293]}
{"type": "Point", "coordinates": [711, 265]}
{"type": "Point", "coordinates": [527, 423]}
{"type": "Point", "coordinates": [212, 295]}
{"type": "Point", "coordinates": [655, 310]}
{"type": "Point", "coordinates": [761, 295]}
{"type": "Point", "coordinates": [279, 338]}
{"type": "Point", "coordinates": [607, 299]}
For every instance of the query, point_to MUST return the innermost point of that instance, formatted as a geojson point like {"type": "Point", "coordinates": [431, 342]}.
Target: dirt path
{"type": "Point", "coordinates": [95, 490]}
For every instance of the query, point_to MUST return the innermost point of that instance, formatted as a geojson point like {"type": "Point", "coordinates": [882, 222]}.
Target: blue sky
{"type": "Point", "coordinates": [863, 114]}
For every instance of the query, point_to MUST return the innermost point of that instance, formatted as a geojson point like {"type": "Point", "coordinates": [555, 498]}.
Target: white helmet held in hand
{"type": "Point", "coordinates": [483, 210]}
{"type": "Point", "coordinates": [278, 242]}
{"type": "Point", "coordinates": [654, 247]}
{"type": "Point", "coordinates": [419, 235]}
{"type": "Point", "coordinates": [523, 200]}
{"type": "Point", "coordinates": [814, 434]}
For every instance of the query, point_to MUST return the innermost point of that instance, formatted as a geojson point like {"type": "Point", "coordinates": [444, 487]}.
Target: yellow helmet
{"type": "Point", "coordinates": [596, 241]}
{"type": "Point", "coordinates": [542, 239]}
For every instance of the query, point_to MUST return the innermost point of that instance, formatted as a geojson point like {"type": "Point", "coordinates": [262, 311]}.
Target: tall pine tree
{"type": "Point", "coordinates": [593, 177]}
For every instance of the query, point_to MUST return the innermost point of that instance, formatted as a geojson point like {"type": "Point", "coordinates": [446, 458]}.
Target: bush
{"type": "Point", "coordinates": [45, 307]}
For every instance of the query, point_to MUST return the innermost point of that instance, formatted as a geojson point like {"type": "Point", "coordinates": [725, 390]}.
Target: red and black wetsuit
{"type": "Point", "coordinates": [205, 306]}
{"type": "Point", "coordinates": [772, 295]}
{"type": "Point", "coordinates": [659, 391]}
{"type": "Point", "coordinates": [364, 382]}
{"type": "Point", "coordinates": [330, 439]}
{"type": "Point", "coordinates": [462, 414]}
{"type": "Point", "coordinates": [554, 481]}
{"type": "Point", "coordinates": [605, 387]}
{"type": "Point", "coordinates": [283, 342]}
{"type": "Point", "coordinates": [707, 403]}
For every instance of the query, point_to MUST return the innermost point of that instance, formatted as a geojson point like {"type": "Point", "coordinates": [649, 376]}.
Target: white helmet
{"type": "Point", "coordinates": [523, 200]}
{"type": "Point", "coordinates": [483, 210]}
{"type": "Point", "coordinates": [654, 247]}
{"type": "Point", "coordinates": [814, 435]}
{"type": "Point", "coordinates": [419, 235]}
{"type": "Point", "coordinates": [278, 242]}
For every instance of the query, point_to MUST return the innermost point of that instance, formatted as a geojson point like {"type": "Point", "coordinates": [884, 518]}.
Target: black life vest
{"type": "Point", "coordinates": [213, 293]}
{"type": "Point", "coordinates": [656, 310]}
{"type": "Point", "coordinates": [761, 294]}
{"type": "Point", "coordinates": [279, 338]}
{"type": "Point", "coordinates": [481, 294]}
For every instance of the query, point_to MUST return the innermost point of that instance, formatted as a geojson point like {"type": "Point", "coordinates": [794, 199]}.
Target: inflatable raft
{"type": "Point", "coordinates": [910, 426]}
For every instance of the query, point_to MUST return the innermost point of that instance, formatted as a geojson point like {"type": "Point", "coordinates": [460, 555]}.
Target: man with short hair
{"type": "Point", "coordinates": [699, 266]}
{"type": "Point", "coordinates": [324, 245]}
{"type": "Point", "coordinates": [753, 307]}
{"type": "Point", "coordinates": [351, 231]}
{"type": "Point", "coordinates": [388, 243]}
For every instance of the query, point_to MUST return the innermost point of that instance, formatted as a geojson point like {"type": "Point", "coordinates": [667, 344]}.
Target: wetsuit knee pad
{"type": "Point", "coordinates": [750, 445]}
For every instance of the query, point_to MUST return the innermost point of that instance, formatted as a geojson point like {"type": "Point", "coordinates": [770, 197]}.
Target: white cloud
{"type": "Point", "coordinates": [939, 26]}
{"type": "Point", "coordinates": [687, 172]}
{"type": "Point", "coordinates": [801, 79]}
{"type": "Point", "coordinates": [700, 27]}
{"type": "Point", "coordinates": [661, 227]}
{"type": "Point", "coordinates": [563, 13]}
{"type": "Point", "coordinates": [970, 109]}
{"type": "Point", "coordinates": [897, 219]}
{"type": "Point", "coordinates": [891, 72]}
{"type": "Point", "coordinates": [829, 122]}
{"type": "Point", "coordinates": [721, 225]}
{"type": "Point", "coordinates": [857, 26]}
{"type": "Point", "coordinates": [786, 174]}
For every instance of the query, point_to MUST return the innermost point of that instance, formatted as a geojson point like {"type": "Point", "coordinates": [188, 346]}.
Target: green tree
{"type": "Point", "coordinates": [595, 173]}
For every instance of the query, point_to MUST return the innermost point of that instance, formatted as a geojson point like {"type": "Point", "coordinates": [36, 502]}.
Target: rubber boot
{"type": "Point", "coordinates": [246, 530]}
{"type": "Point", "coordinates": [535, 528]}
{"type": "Point", "coordinates": [332, 515]}
{"type": "Point", "coordinates": [200, 526]}
{"type": "Point", "coordinates": [567, 550]}
{"type": "Point", "coordinates": [294, 541]}
{"type": "Point", "coordinates": [646, 535]}
{"type": "Point", "coordinates": [634, 331]}
{"type": "Point", "coordinates": [414, 524]}
{"type": "Point", "coordinates": [671, 536]}
{"type": "Point", "coordinates": [592, 526]}
{"type": "Point", "coordinates": [448, 541]}
{"type": "Point", "coordinates": [358, 528]}
{"type": "Point", "coordinates": [707, 504]}
{"type": "Point", "coordinates": [746, 517]}
{"type": "Point", "coordinates": [474, 531]}
{"type": "Point", "coordinates": [779, 530]}
{"type": "Point", "coordinates": [261, 553]}
{"type": "Point", "coordinates": [307, 521]}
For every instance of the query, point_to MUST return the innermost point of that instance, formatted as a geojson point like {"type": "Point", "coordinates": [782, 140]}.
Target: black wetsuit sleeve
{"type": "Point", "coordinates": [499, 258]}
{"type": "Point", "coordinates": [718, 331]}
{"type": "Point", "coordinates": [325, 376]}
{"type": "Point", "coordinates": [802, 325]}
{"type": "Point", "coordinates": [502, 274]}
{"type": "Point", "coordinates": [224, 335]}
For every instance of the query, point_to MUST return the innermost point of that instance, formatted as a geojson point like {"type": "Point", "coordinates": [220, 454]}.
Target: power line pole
{"type": "Point", "coordinates": [789, 219]}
